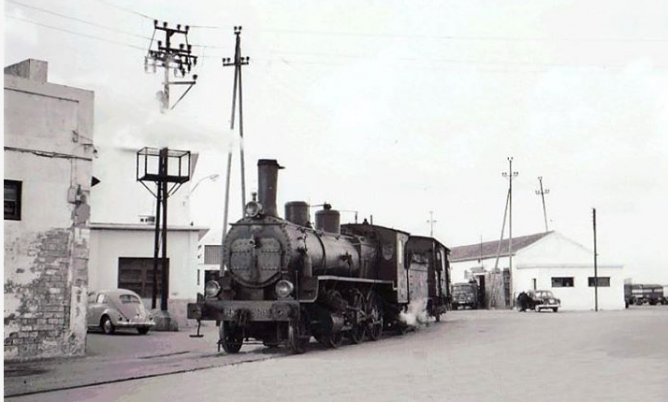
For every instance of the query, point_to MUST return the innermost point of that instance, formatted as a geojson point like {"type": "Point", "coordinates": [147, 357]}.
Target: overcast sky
{"type": "Point", "coordinates": [398, 108]}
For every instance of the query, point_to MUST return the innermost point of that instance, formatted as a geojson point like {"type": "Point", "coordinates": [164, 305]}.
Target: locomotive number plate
{"type": "Point", "coordinates": [256, 314]}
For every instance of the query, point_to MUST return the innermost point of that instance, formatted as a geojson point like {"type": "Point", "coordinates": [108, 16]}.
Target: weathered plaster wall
{"type": "Point", "coordinates": [48, 147]}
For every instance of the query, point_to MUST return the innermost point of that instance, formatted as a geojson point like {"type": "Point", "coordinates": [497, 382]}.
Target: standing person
{"type": "Point", "coordinates": [523, 301]}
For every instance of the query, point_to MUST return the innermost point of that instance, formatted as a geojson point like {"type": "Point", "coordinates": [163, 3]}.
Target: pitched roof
{"type": "Point", "coordinates": [489, 249]}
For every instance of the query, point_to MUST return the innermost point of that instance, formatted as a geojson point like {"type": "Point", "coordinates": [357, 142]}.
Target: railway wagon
{"type": "Point", "coordinates": [284, 281]}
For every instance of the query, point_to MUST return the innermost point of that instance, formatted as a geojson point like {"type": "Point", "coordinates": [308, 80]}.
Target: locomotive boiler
{"type": "Point", "coordinates": [284, 281]}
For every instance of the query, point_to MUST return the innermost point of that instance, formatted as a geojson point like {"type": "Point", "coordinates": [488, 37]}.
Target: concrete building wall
{"type": "Point", "coordinates": [580, 296]}
{"type": "Point", "coordinates": [48, 148]}
{"type": "Point", "coordinates": [111, 242]}
{"type": "Point", "coordinates": [556, 256]}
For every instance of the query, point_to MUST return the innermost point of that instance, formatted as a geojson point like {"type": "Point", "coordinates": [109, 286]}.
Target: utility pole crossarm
{"type": "Point", "coordinates": [179, 60]}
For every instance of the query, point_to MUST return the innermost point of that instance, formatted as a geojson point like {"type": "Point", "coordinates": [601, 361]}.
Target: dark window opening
{"type": "Point", "coordinates": [12, 200]}
{"type": "Point", "coordinates": [563, 282]}
{"type": "Point", "coordinates": [603, 282]}
{"type": "Point", "coordinates": [136, 274]}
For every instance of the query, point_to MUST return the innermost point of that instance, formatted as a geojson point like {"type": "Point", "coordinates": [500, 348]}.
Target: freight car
{"type": "Point", "coordinates": [284, 281]}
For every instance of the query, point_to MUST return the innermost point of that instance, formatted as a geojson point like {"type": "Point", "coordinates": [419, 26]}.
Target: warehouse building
{"type": "Point", "coordinates": [48, 165]}
{"type": "Point", "coordinates": [543, 261]}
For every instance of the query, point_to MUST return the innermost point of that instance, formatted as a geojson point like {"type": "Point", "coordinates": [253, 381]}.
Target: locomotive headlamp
{"type": "Point", "coordinates": [284, 288]}
{"type": "Point", "coordinates": [253, 209]}
{"type": "Point", "coordinates": [211, 289]}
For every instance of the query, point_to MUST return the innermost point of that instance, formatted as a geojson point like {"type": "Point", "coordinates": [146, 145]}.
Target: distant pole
{"type": "Point", "coordinates": [542, 193]}
{"type": "Point", "coordinates": [510, 176]}
{"type": "Point", "coordinates": [595, 265]}
{"type": "Point", "coordinates": [431, 222]}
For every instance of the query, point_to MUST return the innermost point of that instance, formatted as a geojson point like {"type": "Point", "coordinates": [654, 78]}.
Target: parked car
{"type": "Point", "coordinates": [543, 300]}
{"type": "Point", "coordinates": [110, 310]}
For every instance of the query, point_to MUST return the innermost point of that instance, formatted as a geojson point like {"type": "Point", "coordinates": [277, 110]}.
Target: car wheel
{"type": "Point", "coordinates": [107, 326]}
{"type": "Point", "coordinates": [555, 309]}
{"type": "Point", "coordinates": [142, 330]}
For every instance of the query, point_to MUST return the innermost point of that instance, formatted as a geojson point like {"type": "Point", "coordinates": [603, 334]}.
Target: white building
{"type": "Point", "coordinates": [545, 261]}
{"type": "Point", "coordinates": [48, 165]}
{"type": "Point", "coordinates": [122, 234]}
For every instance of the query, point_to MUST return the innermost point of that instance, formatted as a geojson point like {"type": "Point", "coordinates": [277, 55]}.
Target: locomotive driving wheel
{"type": "Point", "coordinates": [358, 303]}
{"type": "Point", "coordinates": [374, 311]}
{"type": "Point", "coordinates": [231, 337]}
{"type": "Point", "coordinates": [335, 302]}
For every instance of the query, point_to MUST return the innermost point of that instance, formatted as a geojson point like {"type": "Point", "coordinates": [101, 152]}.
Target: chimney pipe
{"type": "Point", "coordinates": [267, 171]}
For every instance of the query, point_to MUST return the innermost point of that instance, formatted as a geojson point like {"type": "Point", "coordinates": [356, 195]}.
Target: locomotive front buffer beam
{"type": "Point", "coordinates": [242, 312]}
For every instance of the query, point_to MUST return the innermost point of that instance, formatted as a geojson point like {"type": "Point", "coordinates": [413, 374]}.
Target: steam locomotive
{"type": "Point", "coordinates": [284, 281]}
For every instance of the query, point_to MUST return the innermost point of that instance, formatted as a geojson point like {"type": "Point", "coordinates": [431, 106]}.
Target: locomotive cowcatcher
{"type": "Point", "coordinates": [283, 281]}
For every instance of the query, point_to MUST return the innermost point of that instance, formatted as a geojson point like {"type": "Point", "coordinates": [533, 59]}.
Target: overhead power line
{"type": "Point", "coordinates": [127, 10]}
{"type": "Point", "coordinates": [42, 10]}
{"type": "Point", "coordinates": [391, 35]}
{"type": "Point", "coordinates": [77, 33]}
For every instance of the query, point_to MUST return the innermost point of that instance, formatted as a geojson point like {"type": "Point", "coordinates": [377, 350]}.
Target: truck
{"type": "Point", "coordinates": [639, 294]}
{"type": "Point", "coordinates": [465, 294]}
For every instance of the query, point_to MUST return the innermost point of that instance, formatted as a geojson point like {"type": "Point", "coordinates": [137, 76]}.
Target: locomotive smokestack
{"type": "Point", "coordinates": [267, 171]}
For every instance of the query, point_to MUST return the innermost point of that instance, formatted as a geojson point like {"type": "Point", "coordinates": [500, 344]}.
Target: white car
{"type": "Point", "coordinates": [109, 310]}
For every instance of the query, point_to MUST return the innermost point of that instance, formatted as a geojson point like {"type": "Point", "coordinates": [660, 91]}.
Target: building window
{"type": "Point", "coordinates": [603, 282]}
{"type": "Point", "coordinates": [12, 200]}
{"type": "Point", "coordinates": [562, 282]}
{"type": "Point", "coordinates": [212, 255]}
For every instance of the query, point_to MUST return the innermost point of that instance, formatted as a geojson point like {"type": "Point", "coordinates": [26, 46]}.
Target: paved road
{"type": "Point", "coordinates": [471, 356]}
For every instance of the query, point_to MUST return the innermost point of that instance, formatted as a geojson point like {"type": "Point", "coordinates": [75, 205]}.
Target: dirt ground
{"type": "Point", "coordinates": [471, 356]}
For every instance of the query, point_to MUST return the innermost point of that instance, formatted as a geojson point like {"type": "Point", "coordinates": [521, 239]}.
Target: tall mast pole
{"type": "Point", "coordinates": [595, 264]}
{"type": "Point", "coordinates": [542, 193]}
{"type": "Point", "coordinates": [237, 63]}
{"type": "Point", "coordinates": [510, 176]}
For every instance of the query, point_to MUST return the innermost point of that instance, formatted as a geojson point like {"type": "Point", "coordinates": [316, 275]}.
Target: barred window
{"type": "Point", "coordinates": [603, 282]}
{"type": "Point", "coordinates": [212, 255]}
{"type": "Point", "coordinates": [562, 282]}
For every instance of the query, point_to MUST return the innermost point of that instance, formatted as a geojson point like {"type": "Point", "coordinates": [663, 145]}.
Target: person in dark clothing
{"type": "Point", "coordinates": [523, 300]}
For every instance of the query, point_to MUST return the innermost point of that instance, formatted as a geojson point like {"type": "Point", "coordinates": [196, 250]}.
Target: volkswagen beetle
{"type": "Point", "coordinates": [110, 310]}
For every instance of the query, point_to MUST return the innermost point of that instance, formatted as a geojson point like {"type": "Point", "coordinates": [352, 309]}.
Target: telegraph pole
{"type": "Point", "coordinates": [510, 176]}
{"type": "Point", "coordinates": [237, 63]}
{"type": "Point", "coordinates": [542, 193]}
{"type": "Point", "coordinates": [179, 59]}
{"type": "Point", "coordinates": [431, 222]}
{"type": "Point", "coordinates": [595, 264]}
